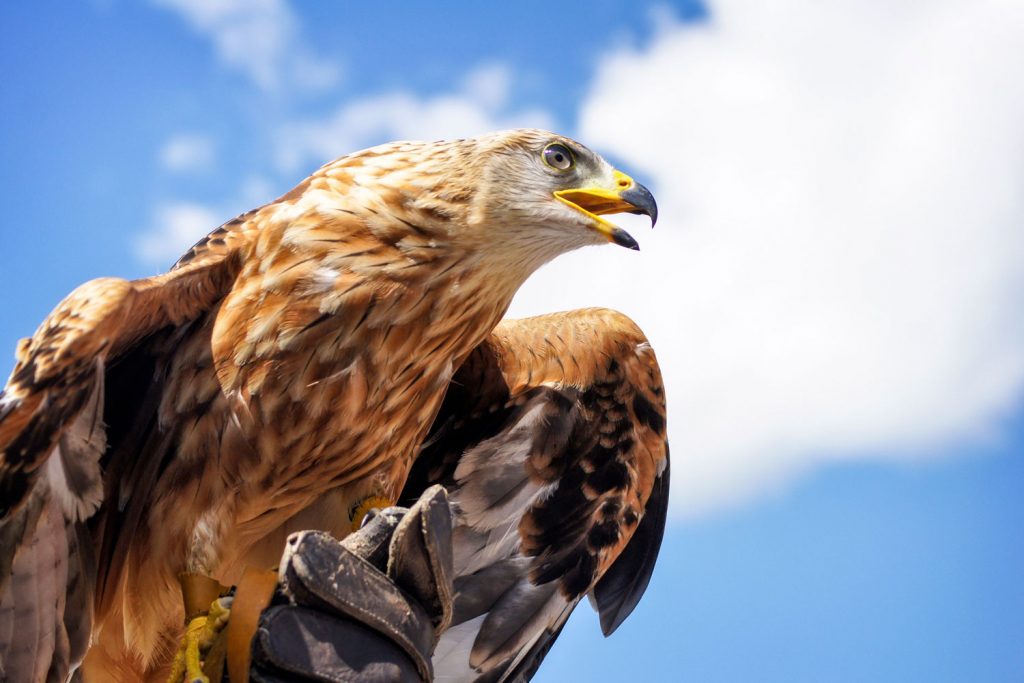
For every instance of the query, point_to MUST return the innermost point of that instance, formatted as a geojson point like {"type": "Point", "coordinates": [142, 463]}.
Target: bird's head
{"type": "Point", "coordinates": [546, 191]}
{"type": "Point", "coordinates": [514, 198]}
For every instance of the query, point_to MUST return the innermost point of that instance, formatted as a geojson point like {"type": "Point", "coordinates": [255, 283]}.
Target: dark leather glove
{"type": "Point", "coordinates": [367, 609]}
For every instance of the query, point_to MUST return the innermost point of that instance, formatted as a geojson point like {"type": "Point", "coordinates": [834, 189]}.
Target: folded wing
{"type": "Point", "coordinates": [91, 356]}
{"type": "Point", "coordinates": [551, 442]}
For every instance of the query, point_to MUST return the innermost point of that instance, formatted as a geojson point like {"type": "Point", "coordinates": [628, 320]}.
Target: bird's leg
{"type": "Point", "coordinates": [205, 618]}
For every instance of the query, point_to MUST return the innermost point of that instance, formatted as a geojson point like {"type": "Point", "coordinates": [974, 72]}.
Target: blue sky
{"type": "Point", "coordinates": [833, 288]}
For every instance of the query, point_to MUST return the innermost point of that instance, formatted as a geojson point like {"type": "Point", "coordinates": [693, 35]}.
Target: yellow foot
{"type": "Point", "coordinates": [200, 634]}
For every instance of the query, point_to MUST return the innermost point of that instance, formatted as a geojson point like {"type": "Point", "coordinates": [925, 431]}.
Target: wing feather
{"type": "Point", "coordinates": [619, 591]}
{"type": "Point", "coordinates": [551, 442]}
{"type": "Point", "coordinates": [55, 450]}
{"type": "Point", "coordinates": [62, 364]}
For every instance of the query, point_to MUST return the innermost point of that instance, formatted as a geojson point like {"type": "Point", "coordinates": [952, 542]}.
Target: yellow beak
{"type": "Point", "coordinates": [625, 196]}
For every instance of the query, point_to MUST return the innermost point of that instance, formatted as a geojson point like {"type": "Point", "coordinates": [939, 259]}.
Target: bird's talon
{"type": "Point", "coordinates": [216, 620]}
{"type": "Point", "coordinates": [200, 634]}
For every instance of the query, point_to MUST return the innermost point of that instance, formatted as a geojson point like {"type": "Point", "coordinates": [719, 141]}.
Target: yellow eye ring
{"type": "Point", "coordinates": [558, 157]}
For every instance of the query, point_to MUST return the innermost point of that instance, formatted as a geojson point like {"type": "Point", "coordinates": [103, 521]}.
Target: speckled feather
{"type": "Point", "coordinates": [288, 365]}
{"type": "Point", "coordinates": [552, 444]}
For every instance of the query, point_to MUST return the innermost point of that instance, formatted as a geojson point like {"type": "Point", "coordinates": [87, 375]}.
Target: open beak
{"type": "Point", "coordinates": [625, 196]}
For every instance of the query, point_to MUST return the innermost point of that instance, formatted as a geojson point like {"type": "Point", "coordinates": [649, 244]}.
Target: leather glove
{"type": "Point", "coordinates": [367, 609]}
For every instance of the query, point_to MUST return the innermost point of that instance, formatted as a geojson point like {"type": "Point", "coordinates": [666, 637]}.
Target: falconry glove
{"type": "Point", "coordinates": [367, 609]}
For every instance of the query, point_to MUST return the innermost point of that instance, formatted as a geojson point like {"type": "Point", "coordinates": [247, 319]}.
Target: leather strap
{"type": "Point", "coordinates": [252, 595]}
{"type": "Point", "coordinates": [198, 591]}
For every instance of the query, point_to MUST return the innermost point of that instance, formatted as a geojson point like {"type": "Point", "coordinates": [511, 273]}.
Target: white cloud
{"type": "Point", "coordinates": [187, 152]}
{"type": "Point", "coordinates": [260, 38]}
{"type": "Point", "coordinates": [176, 226]}
{"type": "Point", "coordinates": [839, 266]}
{"type": "Point", "coordinates": [488, 85]}
{"type": "Point", "coordinates": [479, 105]}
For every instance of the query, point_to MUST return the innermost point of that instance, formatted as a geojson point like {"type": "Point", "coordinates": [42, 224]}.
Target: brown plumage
{"type": "Point", "coordinates": [287, 367]}
{"type": "Point", "coordinates": [551, 443]}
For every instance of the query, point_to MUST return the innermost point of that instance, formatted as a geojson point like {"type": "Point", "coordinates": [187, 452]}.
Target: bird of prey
{"type": "Point", "coordinates": [551, 443]}
{"type": "Point", "coordinates": [282, 376]}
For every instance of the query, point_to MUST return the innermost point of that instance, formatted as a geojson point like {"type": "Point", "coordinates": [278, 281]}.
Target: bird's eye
{"type": "Point", "coordinates": [558, 157]}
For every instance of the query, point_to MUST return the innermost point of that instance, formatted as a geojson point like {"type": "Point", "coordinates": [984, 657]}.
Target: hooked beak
{"type": "Point", "coordinates": [626, 196]}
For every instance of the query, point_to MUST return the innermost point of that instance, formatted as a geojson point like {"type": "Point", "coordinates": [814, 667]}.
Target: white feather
{"type": "Point", "coordinates": [451, 656]}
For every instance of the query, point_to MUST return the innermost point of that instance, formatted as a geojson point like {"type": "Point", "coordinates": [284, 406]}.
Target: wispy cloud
{"type": "Point", "coordinates": [477, 105]}
{"type": "Point", "coordinates": [187, 152]}
{"type": "Point", "coordinates": [177, 224]}
{"type": "Point", "coordinates": [839, 266]}
{"type": "Point", "coordinates": [259, 38]}
{"type": "Point", "coordinates": [175, 227]}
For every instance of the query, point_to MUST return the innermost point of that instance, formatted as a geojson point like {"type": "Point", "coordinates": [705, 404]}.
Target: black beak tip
{"type": "Point", "coordinates": [641, 198]}
{"type": "Point", "coordinates": [624, 239]}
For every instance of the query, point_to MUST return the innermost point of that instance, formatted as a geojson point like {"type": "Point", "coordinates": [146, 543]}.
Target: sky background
{"type": "Point", "coordinates": [833, 289]}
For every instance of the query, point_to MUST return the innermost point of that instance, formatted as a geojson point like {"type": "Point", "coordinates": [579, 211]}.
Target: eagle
{"type": "Point", "coordinates": [285, 375]}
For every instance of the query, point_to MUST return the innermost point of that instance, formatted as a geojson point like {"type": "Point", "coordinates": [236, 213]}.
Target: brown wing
{"type": "Point", "coordinates": [63, 363]}
{"type": "Point", "coordinates": [84, 363]}
{"type": "Point", "coordinates": [551, 442]}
